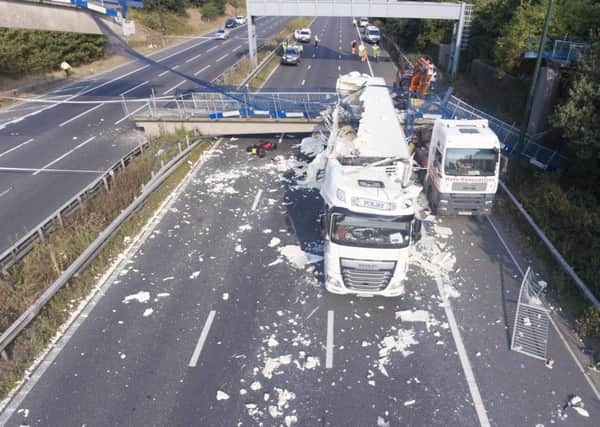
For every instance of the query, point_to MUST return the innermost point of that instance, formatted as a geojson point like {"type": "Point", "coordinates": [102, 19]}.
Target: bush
{"type": "Point", "coordinates": [589, 324]}
{"type": "Point", "coordinates": [27, 51]}
{"type": "Point", "coordinates": [213, 9]}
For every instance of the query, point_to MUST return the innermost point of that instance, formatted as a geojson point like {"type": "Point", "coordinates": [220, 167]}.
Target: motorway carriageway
{"type": "Point", "coordinates": [91, 137]}
{"type": "Point", "coordinates": [217, 317]}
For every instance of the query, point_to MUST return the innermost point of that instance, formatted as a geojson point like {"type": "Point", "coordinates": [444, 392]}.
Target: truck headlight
{"type": "Point", "coordinates": [334, 283]}
{"type": "Point", "coordinates": [341, 195]}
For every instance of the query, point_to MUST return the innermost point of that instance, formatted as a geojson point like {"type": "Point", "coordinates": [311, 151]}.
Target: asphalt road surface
{"type": "Point", "coordinates": [219, 319]}
{"type": "Point", "coordinates": [79, 138]}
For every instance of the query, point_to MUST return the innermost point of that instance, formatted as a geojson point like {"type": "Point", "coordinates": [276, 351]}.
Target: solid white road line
{"type": "Point", "coordinates": [64, 155]}
{"type": "Point", "coordinates": [201, 340]}
{"type": "Point", "coordinates": [462, 356]}
{"type": "Point", "coordinates": [560, 335]}
{"type": "Point", "coordinates": [126, 116]}
{"type": "Point", "coordinates": [256, 200]}
{"type": "Point", "coordinates": [6, 169]}
{"type": "Point", "coordinates": [134, 88]}
{"type": "Point", "coordinates": [174, 87]}
{"type": "Point", "coordinates": [16, 147]}
{"type": "Point", "coordinates": [329, 344]}
{"type": "Point", "coordinates": [222, 57]}
{"type": "Point", "coordinates": [202, 69]}
{"type": "Point", "coordinates": [80, 115]}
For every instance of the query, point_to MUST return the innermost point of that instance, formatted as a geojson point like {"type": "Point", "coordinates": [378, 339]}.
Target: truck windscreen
{"type": "Point", "coordinates": [471, 162]}
{"type": "Point", "coordinates": [369, 233]}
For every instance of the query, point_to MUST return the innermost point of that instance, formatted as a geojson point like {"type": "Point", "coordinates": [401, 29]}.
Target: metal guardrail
{"type": "Point", "coordinates": [90, 253]}
{"type": "Point", "coordinates": [37, 234]}
{"type": "Point", "coordinates": [231, 104]}
{"type": "Point", "coordinates": [260, 67]}
{"type": "Point", "coordinates": [537, 154]}
{"type": "Point", "coordinates": [555, 253]}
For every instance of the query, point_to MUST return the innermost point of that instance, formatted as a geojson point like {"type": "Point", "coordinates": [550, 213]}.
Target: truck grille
{"type": "Point", "coordinates": [365, 275]}
{"type": "Point", "coordinates": [469, 186]}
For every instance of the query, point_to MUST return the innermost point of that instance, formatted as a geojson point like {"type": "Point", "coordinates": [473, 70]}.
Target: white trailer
{"type": "Point", "coordinates": [365, 178]}
{"type": "Point", "coordinates": [463, 165]}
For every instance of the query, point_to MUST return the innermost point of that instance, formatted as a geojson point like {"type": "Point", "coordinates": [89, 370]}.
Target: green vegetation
{"type": "Point", "coordinates": [26, 51]}
{"type": "Point", "coordinates": [565, 205]}
{"type": "Point", "coordinates": [31, 276]}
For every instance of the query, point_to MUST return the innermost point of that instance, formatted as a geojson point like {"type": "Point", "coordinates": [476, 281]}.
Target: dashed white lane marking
{"type": "Point", "coordinates": [314, 55]}
{"type": "Point", "coordinates": [10, 405]}
{"type": "Point", "coordinates": [339, 67]}
{"type": "Point", "coordinates": [554, 325]}
{"type": "Point", "coordinates": [174, 87]}
{"type": "Point", "coordinates": [134, 88]}
{"type": "Point", "coordinates": [202, 69]}
{"type": "Point", "coordinates": [339, 56]}
{"type": "Point", "coordinates": [66, 122]}
{"type": "Point", "coordinates": [58, 159]}
{"type": "Point", "coordinates": [329, 344]}
{"type": "Point", "coordinates": [193, 58]}
{"type": "Point", "coordinates": [16, 147]}
{"type": "Point", "coordinates": [303, 81]}
{"type": "Point", "coordinates": [222, 57]}
{"type": "Point", "coordinates": [256, 200]}
{"type": "Point", "coordinates": [462, 356]}
{"type": "Point", "coordinates": [201, 340]}
{"type": "Point", "coordinates": [5, 192]}
{"type": "Point", "coordinates": [129, 114]}
{"type": "Point", "coordinates": [166, 71]}
{"type": "Point", "coordinates": [309, 67]}
{"type": "Point", "coordinates": [212, 48]}
{"type": "Point", "coordinates": [239, 47]}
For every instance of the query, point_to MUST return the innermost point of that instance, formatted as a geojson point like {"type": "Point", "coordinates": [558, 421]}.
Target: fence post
{"type": "Point", "coordinates": [179, 146]}
{"type": "Point", "coordinates": [105, 182]}
{"type": "Point", "coordinates": [41, 235]}
{"type": "Point", "coordinates": [187, 140]}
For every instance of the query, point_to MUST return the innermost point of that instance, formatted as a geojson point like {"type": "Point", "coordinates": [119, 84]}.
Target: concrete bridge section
{"type": "Point", "coordinates": [58, 16]}
{"type": "Point", "coordinates": [230, 126]}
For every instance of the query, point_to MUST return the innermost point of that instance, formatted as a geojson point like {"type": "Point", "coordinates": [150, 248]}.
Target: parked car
{"type": "Point", "coordinates": [303, 35]}
{"type": "Point", "coordinates": [240, 20]}
{"type": "Point", "coordinates": [363, 22]}
{"type": "Point", "coordinates": [291, 56]}
{"type": "Point", "coordinates": [222, 34]}
{"type": "Point", "coordinates": [372, 34]}
{"type": "Point", "coordinates": [230, 23]}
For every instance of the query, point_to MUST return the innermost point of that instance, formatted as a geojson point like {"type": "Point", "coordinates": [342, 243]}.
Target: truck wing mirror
{"type": "Point", "coordinates": [416, 231]}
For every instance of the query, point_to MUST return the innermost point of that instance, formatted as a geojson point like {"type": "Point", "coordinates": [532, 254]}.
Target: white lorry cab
{"type": "Point", "coordinates": [368, 222]}
{"type": "Point", "coordinates": [463, 164]}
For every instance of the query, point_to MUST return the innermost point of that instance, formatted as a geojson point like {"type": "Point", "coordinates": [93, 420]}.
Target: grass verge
{"type": "Point", "coordinates": [26, 280]}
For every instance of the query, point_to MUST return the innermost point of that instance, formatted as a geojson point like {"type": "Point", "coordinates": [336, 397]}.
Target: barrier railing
{"type": "Point", "coordinates": [90, 253]}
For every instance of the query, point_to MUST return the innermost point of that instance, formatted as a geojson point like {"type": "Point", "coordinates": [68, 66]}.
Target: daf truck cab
{"type": "Point", "coordinates": [463, 165]}
{"type": "Point", "coordinates": [368, 223]}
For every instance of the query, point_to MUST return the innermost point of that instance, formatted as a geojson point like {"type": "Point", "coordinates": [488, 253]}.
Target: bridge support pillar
{"type": "Point", "coordinates": [457, 41]}
{"type": "Point", "coordinates": [252, 51]}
